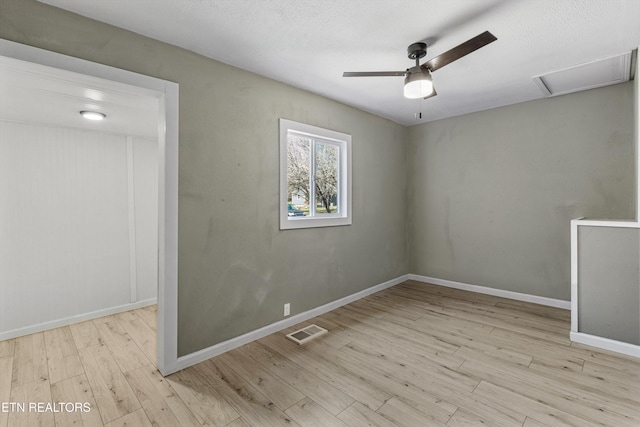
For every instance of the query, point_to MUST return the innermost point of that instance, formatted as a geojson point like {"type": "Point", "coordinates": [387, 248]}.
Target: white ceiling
{"type": "Point", "coordinates": [309, 43]}
{"type": "Point", "coordinates": [32, 93]}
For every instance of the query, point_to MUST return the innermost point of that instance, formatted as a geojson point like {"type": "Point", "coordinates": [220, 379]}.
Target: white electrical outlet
{"type": "Point", "coordinates": [287, 309]}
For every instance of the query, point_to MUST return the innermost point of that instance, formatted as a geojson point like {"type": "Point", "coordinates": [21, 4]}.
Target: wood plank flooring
{"type": "Point", "coordinates": [412, 355]}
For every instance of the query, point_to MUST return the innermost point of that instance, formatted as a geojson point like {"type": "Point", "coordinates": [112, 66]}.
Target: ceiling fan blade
{"type": "Point", "coordinates": [373, 73]}
{"type": "Point", "coordinates": [459, 51]}
{"type": "Point", "coordinates": [434, 93]}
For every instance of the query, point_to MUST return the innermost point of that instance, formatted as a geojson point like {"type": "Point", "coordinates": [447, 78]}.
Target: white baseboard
{"type": "Point", "coordinates": [606, 344]}
{"type": "Point", "coordinates": [492, 291]}
{"type": "Point", "coordinates": [209, 352]}
{"type": "Point", "coordinates": [32, 329]}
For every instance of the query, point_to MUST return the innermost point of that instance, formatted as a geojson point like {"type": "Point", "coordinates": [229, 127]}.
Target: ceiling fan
{"type": "Point", "coordinates": [418, 82]}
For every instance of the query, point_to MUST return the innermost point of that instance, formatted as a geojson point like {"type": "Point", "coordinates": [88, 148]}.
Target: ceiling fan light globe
{"type": "Point", "coordinates": [418, 84]}
{"type": "Point", "coordinates": [418, 89]}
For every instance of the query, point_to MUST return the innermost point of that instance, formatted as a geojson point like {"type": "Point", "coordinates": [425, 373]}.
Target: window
{"type": "Point", "coordinates": [315, 176]}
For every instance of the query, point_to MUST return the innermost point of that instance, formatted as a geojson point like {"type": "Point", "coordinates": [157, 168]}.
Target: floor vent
{"type": "Point", "coordinates": [306, 334]}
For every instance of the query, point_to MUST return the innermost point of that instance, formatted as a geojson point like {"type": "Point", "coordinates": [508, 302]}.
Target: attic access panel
{"type": "Point", "coordinates": [589, 75]}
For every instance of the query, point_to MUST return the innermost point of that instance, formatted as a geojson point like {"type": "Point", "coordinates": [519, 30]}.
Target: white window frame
{"type": "Point", "coordinates": [326, 136]}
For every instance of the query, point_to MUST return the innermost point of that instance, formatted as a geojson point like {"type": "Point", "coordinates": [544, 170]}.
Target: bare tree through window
{"type": "Point", "coordinates": [298, 167]}
{"type": "Point", "coordinates": [326, 175]}
{"type": "Point", "coordinates": [303, 153]}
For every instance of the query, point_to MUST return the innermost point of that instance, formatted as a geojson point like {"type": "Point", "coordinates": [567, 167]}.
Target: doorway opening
{"type": "Point", "coordinates": [110, 187]}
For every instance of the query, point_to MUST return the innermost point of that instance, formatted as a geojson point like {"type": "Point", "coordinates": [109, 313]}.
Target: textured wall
{"type": "Point", "coordinates": [236, 268]}
{"type": "Point", "coordinates": [491, 194]}
{"type": "Point", "coordinates": [608, 277]}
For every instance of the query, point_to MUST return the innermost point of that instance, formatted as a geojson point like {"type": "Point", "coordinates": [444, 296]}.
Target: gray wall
{"type": "Point", "coordinates": [491, 194]}
{"type": "Point", "coordinates": [608, 277]}
{"type": "Point", "coordinates": [236, 268]}
{"type": "Point", "coordinates": [636, 134]}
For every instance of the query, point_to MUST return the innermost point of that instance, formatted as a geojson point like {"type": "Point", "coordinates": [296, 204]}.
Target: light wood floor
{"type": "Point", "coordinates": [412, 355]}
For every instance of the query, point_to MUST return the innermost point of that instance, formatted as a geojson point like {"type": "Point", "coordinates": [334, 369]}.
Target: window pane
{"type": "Point", "coordinates": [326, 182]}
{"type": "Point", "coordinates": [298, 175]}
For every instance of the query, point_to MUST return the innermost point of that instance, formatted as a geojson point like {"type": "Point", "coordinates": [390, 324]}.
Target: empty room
{"type": "Point", "coordinates": [329, 213]}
